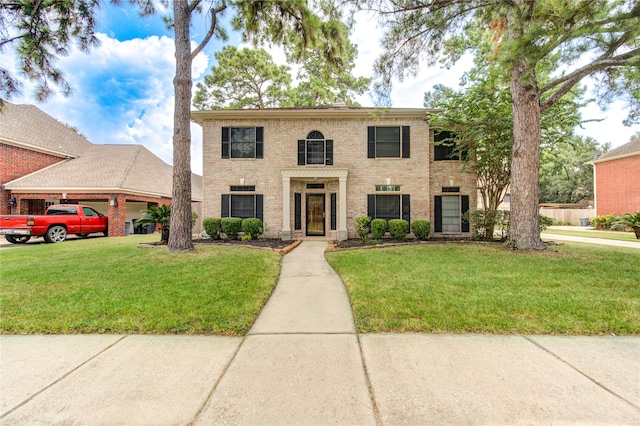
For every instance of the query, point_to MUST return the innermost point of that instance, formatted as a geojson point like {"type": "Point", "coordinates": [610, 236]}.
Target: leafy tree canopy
{"type": "Point", "coordinates": [244, 78]}
{"type": "Point", "coordinates": [596, 38]}
{"type": "Point", "coordinates": [566, 176]}
{"type": "Point", "coordinates": [480, 116]}
{"type": "Point", "coordinates": [248, 78]}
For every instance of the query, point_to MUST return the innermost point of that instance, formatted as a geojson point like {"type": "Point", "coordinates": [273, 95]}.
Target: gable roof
{"type": "Point", "coordinates": [131, 169]}
{"type": "Point", "coordinates": [28, 127]}
{"type": "Point", "coordinates": [88, 167]}
{"type": "Point", "coordinates": [627, 150]}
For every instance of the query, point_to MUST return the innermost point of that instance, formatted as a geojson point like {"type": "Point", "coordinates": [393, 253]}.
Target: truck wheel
{"type": "Point", "coordinates": [56, 234]}
{"type": "Point", "coordinates": [17, 239]}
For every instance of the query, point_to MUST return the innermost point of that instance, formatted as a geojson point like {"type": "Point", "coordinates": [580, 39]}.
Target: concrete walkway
{"type": "Point", "coordinates": [588, 240]}
{"type": "Point", "coordinates": [303, 363]}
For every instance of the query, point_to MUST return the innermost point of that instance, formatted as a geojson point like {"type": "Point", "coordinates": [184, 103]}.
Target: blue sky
{"type": "Point", "coordinates": [123, 90]}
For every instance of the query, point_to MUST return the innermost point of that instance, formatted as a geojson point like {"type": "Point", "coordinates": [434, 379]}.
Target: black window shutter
{"type": "Point", "coordinates": [260, 206]}
{"type": "Point", "coordinates": [301, 159]}
{"type": "Point", "coordinates": [225, 206]}
{"type": "Point", "coordinates": [297, 223]}
{"type": "Point", "coordinates": [371, 205]}
{"type": "Point", "coordinates": [329, 153]}
{"type": "Point", "coordinates": [464, 207]}
{"type": "Point", "coordinates": [225, 142]}
{"type": "Point", "coordinates": [406, 142]}
{"type": "Point", "coordinates": [333, 212]}
{"type": "Point", "coordinates": [259, 142]}
{"type": "Point", "coordinates": [406, 208]}
{"type": "Point", "coordinates": [438, 214]}
{"type": "Point", "coordinates": [371, 142]}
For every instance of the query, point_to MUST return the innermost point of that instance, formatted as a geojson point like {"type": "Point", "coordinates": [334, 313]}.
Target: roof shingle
{"type": "Point", "coordinates": [629, 148]}
{"type": "Point", "coordinates": [28, 125]}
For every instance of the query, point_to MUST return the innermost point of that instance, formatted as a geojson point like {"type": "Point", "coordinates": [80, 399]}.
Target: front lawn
{"type": "Point", "coordinates": [485, 288]}
{"type": "Point", "coordinates": [110, 285]}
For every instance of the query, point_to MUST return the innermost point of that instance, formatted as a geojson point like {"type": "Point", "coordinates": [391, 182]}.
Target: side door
{"type": "Point", "coordinates": [92, 221]}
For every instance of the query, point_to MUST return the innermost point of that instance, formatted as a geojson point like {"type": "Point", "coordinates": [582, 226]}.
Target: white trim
{"type": "Point", "coordinates": [39, 149]}
{"type": "Point", "coordinates": [616, 157]}
{"type": "Point", "coordinates": [315, 173]}
{"type": "Point", "coordinates": [311, 113]}
{"type": "Point", "coordinates": [341, 211]}
{"type": "Point", "coordinates": [8, 184]}
{"type": "Point", "coordinates": [88, 190]}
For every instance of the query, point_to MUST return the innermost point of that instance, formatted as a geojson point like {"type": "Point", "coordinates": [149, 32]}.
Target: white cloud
{"type": "Point", "coordinates": [610, 129]}
{"type": "Point", "coordinates": [123, 94]}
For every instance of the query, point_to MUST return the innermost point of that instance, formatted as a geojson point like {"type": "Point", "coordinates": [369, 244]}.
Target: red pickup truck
{"type": "Point", "coordinates": [54, 225]}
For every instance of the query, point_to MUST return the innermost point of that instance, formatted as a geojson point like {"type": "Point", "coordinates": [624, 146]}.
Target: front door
{"type": "Point", "coordinates": [315, 214]}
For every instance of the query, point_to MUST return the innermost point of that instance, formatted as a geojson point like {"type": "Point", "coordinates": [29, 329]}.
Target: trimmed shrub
{"type": "Point", "coordinates": [363, 227]}
{"type": "Point", "coordinates": [603, 222]}
{"type": "Point", "coordinates": [378, 228]}
{"type": "Point", "coordinates": [398, 228]}
{"type": "Point", "coordinates": [421, 229]}
{"type": "Point", "coordinates": [231, 227]}
{"type": "Point", "coordinates": [213, 227]}
{"type": "Point", "coordinates": [545, 222]}
{"type": "Point", "coordinates": [253, 227]}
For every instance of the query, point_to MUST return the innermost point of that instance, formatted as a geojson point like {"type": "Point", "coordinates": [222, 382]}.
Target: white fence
{"type": "Point", "coordinates": [570, 216]}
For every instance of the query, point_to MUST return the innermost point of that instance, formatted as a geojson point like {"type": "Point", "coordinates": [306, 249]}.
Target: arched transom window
{"type": "Point", "coordinates": [315, 150]}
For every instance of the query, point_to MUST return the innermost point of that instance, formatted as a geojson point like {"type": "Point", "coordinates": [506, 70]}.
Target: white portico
{"type": "Point", "coordinates": [314, 184]}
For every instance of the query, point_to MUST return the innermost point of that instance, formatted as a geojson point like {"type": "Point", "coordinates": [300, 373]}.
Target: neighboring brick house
{"type": "Point", "coordinates": [45, 162]}
{"type": "Point", "coordinates": [616, 177]}
{"type": "Point", "coordinates": [313, 171]}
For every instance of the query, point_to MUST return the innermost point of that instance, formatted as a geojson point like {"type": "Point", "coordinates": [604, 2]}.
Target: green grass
{"type": "Point", "coordinates": [592, 233]}
{"type": "Point", "coordinates": [110, 285]}
{"type": "Point", "coordinates": [485, 288]}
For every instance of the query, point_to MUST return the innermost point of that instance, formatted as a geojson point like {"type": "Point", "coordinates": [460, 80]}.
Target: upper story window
{"type": "Point", "coordinates": [388, 142]}
{"type": "Point", "coordinates": [315, 150]}
{"type": "Point", "coordinates": [445, 146]}
{"type": "Point", "coordinates": [242, 142]}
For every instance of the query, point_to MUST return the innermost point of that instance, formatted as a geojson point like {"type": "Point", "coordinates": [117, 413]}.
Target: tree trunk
{"type": "Point", "coordinates": [180, 228]}
{"type": "Point", "coordinates": [524, 228]}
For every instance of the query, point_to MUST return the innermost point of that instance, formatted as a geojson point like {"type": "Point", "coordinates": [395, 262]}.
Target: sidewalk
{"type": "Point", "coordinates": [303, 363]}
{"type": "Point", "coordinates": [587, 240]}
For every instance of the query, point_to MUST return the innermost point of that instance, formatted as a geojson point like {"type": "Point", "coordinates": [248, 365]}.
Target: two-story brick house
{"type": "Point", "coordinates": [312, 171]}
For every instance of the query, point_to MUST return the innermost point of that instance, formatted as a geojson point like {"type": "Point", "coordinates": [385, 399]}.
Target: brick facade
{"type": "Point", "coordinates": [16, 162]}
{"type": "Point", "coordinates": [417, 176]}
{"type": "Point", "coordinates": [616, 184]}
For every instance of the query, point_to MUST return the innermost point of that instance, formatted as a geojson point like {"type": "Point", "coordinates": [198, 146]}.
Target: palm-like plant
{"type": "Point", "coordinates": [628, 220]}
{"type": "Point", "coordinates": [160, 215]}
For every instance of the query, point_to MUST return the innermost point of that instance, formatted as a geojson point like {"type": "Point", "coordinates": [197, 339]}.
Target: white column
{"type": "Point", "coordinates": [342, 209]}
{"type": "Point", "coordinates": [286, 208]}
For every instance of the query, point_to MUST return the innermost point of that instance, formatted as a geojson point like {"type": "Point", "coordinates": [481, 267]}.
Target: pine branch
{"type": "Point", "coordinates": [571, 79]}
{"type": "Point", "coordinates": [212, 28]}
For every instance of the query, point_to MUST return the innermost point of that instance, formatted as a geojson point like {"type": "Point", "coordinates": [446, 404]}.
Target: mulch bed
{"type": "Point", "coordinates": [264, 243]}
{"type": "Point", "coordinates": [356, 243]}
{"type": "Point", "coordinates": [287, 246]}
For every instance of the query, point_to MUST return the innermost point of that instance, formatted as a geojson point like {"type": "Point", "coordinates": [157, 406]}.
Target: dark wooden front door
{"type": "Point", "coordinates": [315, 214]}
